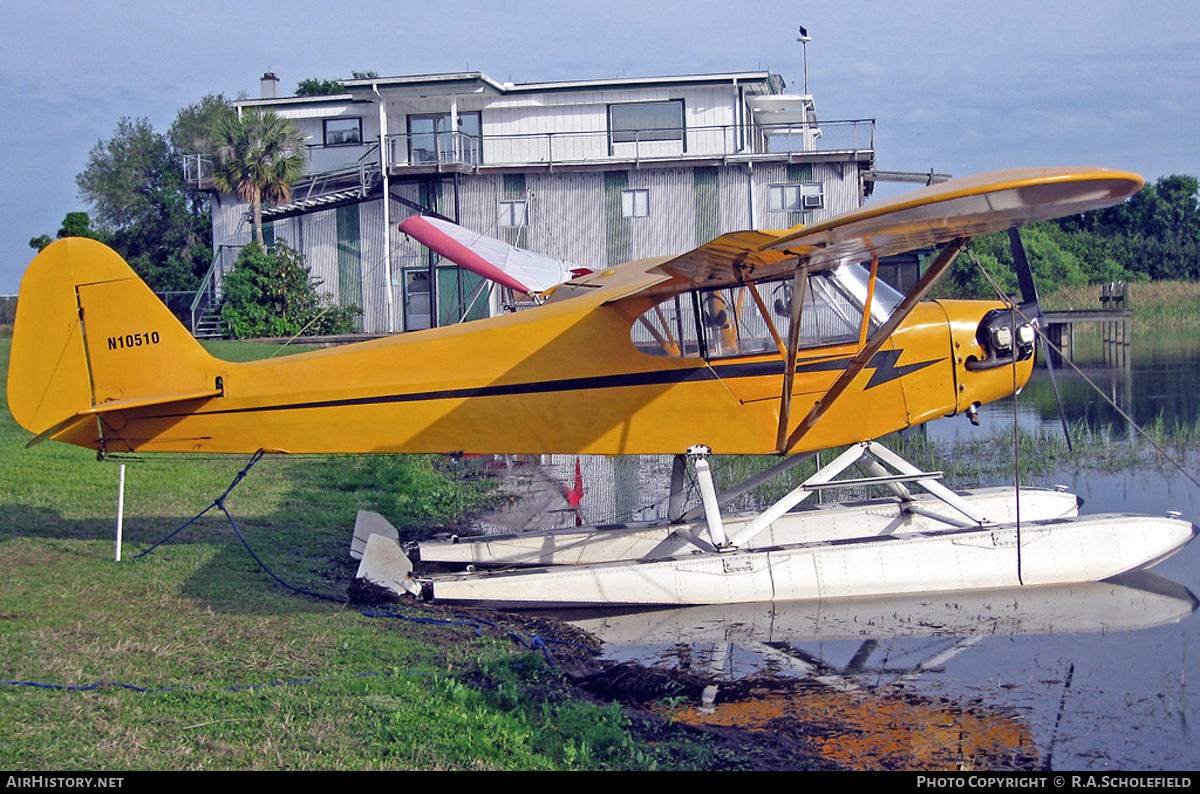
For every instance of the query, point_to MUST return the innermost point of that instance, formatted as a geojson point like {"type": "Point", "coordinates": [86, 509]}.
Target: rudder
{"type": "Point", "coordinates": [90, 333]}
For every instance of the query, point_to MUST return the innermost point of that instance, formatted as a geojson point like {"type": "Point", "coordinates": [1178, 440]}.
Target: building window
{"type": "Point", "coordinates": [514, 213]}
{"type": "Point", "coordinates": [339, 132]}
{"type": "Point", "coordinates": [635, 203]}
{"type": "Point", "coordinates": [646, 121]}
{"type": "Point", "coordinates": [797, 197]}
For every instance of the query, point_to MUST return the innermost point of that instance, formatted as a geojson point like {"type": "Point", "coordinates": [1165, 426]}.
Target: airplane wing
{"type": "Point", "coordinates": [958, 208]}
{"type": "Point", "coordinates": [950, 212]}
{"type": "Point", "coordinates": [515, 268]}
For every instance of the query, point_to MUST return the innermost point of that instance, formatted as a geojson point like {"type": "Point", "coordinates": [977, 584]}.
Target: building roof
{"type": "Point", "coordinates": [770, 83]}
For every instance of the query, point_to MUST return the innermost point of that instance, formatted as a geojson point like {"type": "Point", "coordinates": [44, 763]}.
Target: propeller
{"type": "Point", "coordinates": [1032, 309]}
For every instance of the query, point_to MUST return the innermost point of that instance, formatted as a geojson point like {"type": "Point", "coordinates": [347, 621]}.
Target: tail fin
{"type": "Point", "coordinates": [91, 338]}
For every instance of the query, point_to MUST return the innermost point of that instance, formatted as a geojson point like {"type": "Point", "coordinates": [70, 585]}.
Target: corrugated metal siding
{"type": "Point", "coordinates": [574, 216]}
{"type": "Point", "coordinates": [708, 204]}
{"type": "Point", "coordinates": [765, 175]}
{"type": "Point", "coordinates": [479, 204]}
{"type": "Point", "coordinates": [670, 228]}
{"type": "Point", "coordinates": [230, 226]}
{"type": "Point", "coordinates": [843, 191]}
{"type": "Point", "coordinates": [567, 217]}
{"type": "Point", "coordinates": [315, 237]}
{"type": "Point", "coordinates": [736, 185]}
{"type": "Point", "coordinates": [349, 256]}
{"type": "Point", "coordinates": [373, 260]}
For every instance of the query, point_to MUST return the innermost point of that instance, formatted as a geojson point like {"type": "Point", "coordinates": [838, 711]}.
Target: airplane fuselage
{"type": "Point", "coordinates": [569, 376]}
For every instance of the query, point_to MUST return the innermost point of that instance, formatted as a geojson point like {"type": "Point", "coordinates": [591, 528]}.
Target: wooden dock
{"type": "Point", "coordinates": [1114, 333]}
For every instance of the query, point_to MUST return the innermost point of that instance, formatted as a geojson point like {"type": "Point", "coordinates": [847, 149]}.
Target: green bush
{"type": "Point", "coordinates": [269, 292]}
{"type": "Point", "coordinates": [416, 493]}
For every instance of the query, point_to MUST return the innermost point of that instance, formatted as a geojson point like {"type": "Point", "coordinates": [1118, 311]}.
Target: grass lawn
{"type": "Point", "coordinates": [243, 673]}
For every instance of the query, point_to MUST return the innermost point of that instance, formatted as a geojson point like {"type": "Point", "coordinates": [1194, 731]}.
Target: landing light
{"type": "Point", "coordinates": [1003, 340]}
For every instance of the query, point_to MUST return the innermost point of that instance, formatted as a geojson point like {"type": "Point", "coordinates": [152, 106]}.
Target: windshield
{"type": "Point", "coordinates": [853, 279]}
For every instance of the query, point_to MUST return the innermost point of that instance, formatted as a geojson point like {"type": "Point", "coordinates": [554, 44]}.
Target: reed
{"type": "Point", "coordinates": [1155, 304]}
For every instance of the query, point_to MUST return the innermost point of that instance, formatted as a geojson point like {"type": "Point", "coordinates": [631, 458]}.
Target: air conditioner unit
{"type": "Point", "coordinates": [814, 201]}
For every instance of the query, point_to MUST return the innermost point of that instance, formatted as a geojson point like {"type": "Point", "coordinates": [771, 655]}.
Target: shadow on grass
{"type": "Point", "coordinates": [205, 562]}
{"type": "Point", "coordinates": [296, 515]}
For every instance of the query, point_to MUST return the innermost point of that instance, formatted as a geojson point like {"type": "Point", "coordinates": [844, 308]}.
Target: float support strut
{"type": "Point", "coordinates": [708, 495]}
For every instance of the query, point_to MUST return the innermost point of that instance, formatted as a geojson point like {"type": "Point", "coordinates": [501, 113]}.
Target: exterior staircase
{"type": "Point", "coordinates": [209, 324]}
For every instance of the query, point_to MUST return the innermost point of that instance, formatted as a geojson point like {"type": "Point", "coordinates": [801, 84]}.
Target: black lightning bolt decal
{"type": "Point", "coordinates": [884, 364]}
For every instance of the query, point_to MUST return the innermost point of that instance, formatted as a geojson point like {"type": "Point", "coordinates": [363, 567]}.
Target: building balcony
{"type": "Point", "coordinates": [428, 152]}
{"type": "Point", "coordinates": [457, 151]}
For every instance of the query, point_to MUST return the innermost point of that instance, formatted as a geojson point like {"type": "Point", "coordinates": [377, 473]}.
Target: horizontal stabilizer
{"type": "Point", "coordinates": [384, 563]}
{"type": "Point", "coordinates": [118, 405]}
{"type": "Point", "coordinates": [93, 346]}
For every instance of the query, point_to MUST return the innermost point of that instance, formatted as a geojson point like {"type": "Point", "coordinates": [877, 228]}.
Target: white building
{"type": "Point", "coordinates": [595, 172]}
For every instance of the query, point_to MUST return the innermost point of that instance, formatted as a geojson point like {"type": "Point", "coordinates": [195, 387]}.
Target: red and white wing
{"type": "Point", "coordinates": [515, 268]}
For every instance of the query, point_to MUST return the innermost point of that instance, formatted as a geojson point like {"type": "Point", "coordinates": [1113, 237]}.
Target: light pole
{"type": "Point", "coordinates": [804, 40]}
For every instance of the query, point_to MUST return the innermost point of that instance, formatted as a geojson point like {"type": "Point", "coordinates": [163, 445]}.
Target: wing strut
{"type": "Point", "coordinates": [881, 335]}
{"type": "Point", "coordinates": [799, 285]}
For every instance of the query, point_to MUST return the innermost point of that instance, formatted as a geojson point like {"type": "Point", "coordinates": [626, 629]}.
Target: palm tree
{"type": "Point", "coordinates": [259, 156]}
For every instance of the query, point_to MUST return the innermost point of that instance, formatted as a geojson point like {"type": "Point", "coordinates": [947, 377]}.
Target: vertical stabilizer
{"type": "Point", "coordinates": [90, 334]}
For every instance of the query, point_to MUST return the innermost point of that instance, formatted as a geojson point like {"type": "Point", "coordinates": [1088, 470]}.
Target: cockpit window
{"type": "Point", "coordinates": [669, 329]}
{"type": "Point", "coordinates": [752, 319]}
{"type": "Point", "coordinates": [854, 279]}
{"type": "Point", "coordinates": [733, 324]}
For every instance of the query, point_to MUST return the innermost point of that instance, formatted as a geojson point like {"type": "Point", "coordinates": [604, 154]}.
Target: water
{"type": "Point", "coordinates": [1097, 677]}
{"type": "Point", "coordinates": [1160, 384]}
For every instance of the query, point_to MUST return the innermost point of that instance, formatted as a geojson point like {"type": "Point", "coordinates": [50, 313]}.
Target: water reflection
{"type": "Point", "coordinates": [956, 645]}
{"type": "Point", "coordinates": [1139, 600]}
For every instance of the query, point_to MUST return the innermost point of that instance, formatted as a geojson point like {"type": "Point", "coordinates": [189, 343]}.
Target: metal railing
{"type": "Point", "coordinates": [319, 160]}
{"type": "Point", "coordinates": [551, 148]}
{"type": "Point", "coordinates": [452, 148]}
{"type": "Point", "coordinates": [208, 294]}
{"type": "Point", "coordinates": [179, 302]}
{"type": "Point", "coordinates": [197, 171]}
{"type": "Point", "coordinates": [339, 172]}
{"type": "Point", "coordinates": [830, 136]}
{"type": "Point", "coordinates": [434, 148]}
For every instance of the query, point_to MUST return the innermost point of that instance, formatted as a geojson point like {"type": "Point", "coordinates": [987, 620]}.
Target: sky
{"type": "Point", "coordinates": [959, 87]}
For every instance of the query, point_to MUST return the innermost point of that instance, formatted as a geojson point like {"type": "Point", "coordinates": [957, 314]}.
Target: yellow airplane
{"type": "Point", "coordinates": [757, 342]}
{"type": "Point", "coordinates": [651, 357]}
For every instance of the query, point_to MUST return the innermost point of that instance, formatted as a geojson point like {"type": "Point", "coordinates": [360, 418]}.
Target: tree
{"type": "Point", "coordinates": [191, 132]}
{"type": "Point", "coordinates": [315, 86]}
{"type": "Point", "coordinates": [75, 224]}
{"type": "Point", "coordinates": [269, 293]}
{"type": "Point", "coordinates": [258, 157]}
{"type": "Point", "coordinates": [134, 184]}
{"type": "Point", "coordinates": [124, 173]}
{"type": "Point", "coordinates": [1054, 265]}
{"type": "Point", "coordinates": [1155, 233]}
